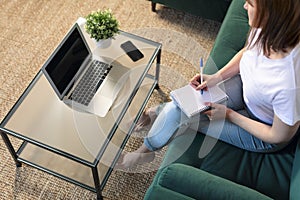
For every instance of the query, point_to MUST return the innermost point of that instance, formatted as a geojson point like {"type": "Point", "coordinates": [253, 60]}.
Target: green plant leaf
{"type": "Point", "coordinates": [101, 24]}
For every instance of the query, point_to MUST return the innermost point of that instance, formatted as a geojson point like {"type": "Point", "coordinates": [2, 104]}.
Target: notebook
{"type": "Point", "coordinates": [191, 102]}
{"type": "Point", "coordinates": [67, 71]}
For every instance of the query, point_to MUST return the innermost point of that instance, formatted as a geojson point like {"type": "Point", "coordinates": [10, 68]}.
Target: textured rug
{"type": "Point", "coordinates": [29, 32]}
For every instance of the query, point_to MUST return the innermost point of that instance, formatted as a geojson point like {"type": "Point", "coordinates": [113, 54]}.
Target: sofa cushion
{"type": "Point", "coordinates": [199, 184]}
{"type": "Point", "coordinates": [259, 171]}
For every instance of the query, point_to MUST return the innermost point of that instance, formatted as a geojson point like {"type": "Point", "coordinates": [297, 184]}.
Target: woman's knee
{"type": "Point", "coordinates": [172, 114]}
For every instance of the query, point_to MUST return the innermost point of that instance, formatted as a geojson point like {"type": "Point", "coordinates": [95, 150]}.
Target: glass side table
{"type": "Point", "coordinates": [80, 147]}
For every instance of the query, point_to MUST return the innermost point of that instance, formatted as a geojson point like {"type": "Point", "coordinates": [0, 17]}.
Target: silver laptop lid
{"type": "Point", "coordinates": [67, 61]}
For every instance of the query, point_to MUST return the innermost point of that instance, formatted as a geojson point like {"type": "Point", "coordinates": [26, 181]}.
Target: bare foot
{"type": "Point", "coordinates": [132, 159]}
{"type": "Point", "coordinates": [140, 156]}
{"type": "Point", "coordinates": [146, 120]}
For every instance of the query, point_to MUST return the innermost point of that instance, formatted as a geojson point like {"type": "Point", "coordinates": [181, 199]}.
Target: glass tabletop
{"type": "Point", "coordinates": [39, 117]}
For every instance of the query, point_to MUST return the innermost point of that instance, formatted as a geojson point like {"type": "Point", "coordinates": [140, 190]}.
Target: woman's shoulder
{"type": "Point", "coordinates": [295, 52]}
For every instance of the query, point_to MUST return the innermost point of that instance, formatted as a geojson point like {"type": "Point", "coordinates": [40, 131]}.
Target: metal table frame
{"type": "Point", "coordinates": [93, 166]}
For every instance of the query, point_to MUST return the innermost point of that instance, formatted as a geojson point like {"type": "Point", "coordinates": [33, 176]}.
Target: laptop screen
{"type": "Point", "coordinates": [66, 61]}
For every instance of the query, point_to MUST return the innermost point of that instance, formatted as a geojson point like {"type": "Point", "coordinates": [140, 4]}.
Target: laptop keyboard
{"type": "Point", "coordinates": [90, 82]}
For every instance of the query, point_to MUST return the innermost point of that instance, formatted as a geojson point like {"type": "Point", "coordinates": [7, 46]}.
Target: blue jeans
{"type": "Point", "coordinates": [171, 122]}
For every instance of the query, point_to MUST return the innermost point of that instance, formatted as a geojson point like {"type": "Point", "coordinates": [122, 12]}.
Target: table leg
{"type": "Point", "coordinates": [97, 183]}
{"type": "Point", "coordinates": [10, 148]}
{"type": "Point", "coordinates": [153, 7]}
{"type": "Point", "coordinates": [157, 68]}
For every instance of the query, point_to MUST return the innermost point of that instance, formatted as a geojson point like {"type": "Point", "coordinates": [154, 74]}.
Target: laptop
{"type": "Point", "coordinates": [81, 80]}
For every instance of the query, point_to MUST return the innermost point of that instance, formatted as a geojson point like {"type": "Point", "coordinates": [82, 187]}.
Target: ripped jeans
{"type": "Point", "coordinates": [171, 122]}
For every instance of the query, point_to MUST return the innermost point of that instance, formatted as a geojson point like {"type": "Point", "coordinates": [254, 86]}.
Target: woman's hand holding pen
{"type": "Point", "coordinates": [195, 82]}
{"type": "Point", "coordinates": [208, 80]}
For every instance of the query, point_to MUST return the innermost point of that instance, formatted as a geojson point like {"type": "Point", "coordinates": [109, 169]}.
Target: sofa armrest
{"type": "Point", "coordinates": [231, 37]}
{"type": "Point", "coordinates": [295, 178]}
{"type": "Point", "coordinates": [156, 192]}
{"type": "Point", "coordinates": [199, 184]}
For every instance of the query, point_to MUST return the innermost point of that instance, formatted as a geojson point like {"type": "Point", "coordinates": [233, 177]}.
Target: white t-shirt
{"type": "Point", "coordinates": [272, 86]}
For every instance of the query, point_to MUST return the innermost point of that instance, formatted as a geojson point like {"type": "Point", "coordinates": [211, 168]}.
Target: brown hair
{"type": "Point", "coordinates": [279, 21]}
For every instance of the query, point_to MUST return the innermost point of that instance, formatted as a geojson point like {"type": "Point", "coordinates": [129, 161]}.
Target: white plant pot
{"type": "Point", "coordinates": [103, 44]}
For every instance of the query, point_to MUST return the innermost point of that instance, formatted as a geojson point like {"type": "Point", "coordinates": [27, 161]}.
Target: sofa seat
{"type": "Point", "coordinates": [266, 174]}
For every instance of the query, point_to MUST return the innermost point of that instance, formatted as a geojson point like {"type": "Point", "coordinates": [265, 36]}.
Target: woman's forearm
{"type": "Point", "coordinates": [279, 132]}
{"type": "Point", "coordinates": [256, 128]}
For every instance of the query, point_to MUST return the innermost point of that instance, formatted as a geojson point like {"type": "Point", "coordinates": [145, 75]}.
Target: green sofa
{"type": "Point", "coordinates": [208, 9]}
{"type": "Point", "coordinates": [226, 172]}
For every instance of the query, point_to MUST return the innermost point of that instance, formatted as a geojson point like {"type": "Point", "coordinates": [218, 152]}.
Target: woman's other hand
{"type": "Point", "coordinates": [216, 111]}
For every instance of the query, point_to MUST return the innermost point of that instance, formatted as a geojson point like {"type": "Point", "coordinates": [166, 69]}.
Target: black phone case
{"type": "Point", "coordinates": [132, 51]}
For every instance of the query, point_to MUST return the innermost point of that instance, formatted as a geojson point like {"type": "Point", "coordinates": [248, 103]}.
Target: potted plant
{"type": "Point", "coordinates": [101, 25]}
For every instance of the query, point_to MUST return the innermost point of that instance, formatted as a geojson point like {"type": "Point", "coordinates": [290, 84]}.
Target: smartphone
{"type": "Point", "coordinates": [132, 51]}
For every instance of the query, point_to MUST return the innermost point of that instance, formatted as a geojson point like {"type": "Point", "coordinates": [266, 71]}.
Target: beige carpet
{"type": "Point", "coordinates": [31, 29]}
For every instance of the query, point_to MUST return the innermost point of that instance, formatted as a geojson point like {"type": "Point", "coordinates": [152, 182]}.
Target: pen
{"type": "Point", "coordinates": [201, 73]}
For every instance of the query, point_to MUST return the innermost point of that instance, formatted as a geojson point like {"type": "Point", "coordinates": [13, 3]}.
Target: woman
{"type": "Point", "coordinates": [265, 114]}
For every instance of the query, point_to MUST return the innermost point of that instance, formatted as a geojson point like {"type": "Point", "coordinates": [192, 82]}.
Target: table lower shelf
{"type": "Point", "coordinates": [80, 173]}
{"type": "Point", "coordinates": [60, 166]}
